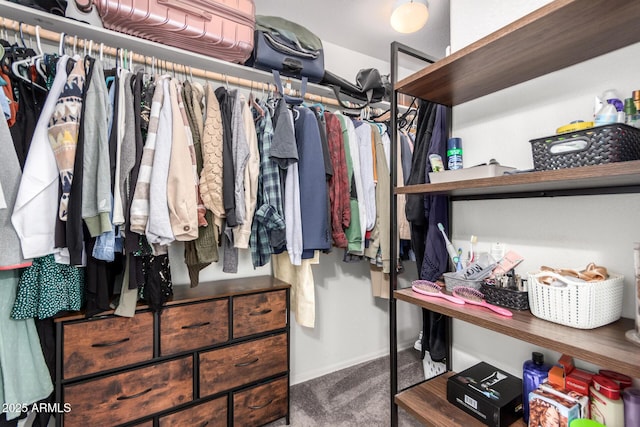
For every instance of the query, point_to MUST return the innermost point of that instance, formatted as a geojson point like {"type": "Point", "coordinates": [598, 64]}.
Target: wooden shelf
{"type": "Point", "coordinates": [611, 177]}
{"type": "Point", "coordinates": [559, 34]}
{"type": "Point", "coordinates": [82, 30]}
{"type": "Point", "coordinates": [427, 402]}
{"type": "Point", "coordinates": [605, 346]}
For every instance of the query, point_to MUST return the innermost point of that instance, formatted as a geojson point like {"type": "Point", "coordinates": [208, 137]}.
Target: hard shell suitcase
{"type": "Point", "coordinates": [221, 29]}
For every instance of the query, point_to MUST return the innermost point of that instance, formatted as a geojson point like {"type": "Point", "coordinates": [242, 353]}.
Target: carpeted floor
{"type": "Point", "coordinates": [354, 397]}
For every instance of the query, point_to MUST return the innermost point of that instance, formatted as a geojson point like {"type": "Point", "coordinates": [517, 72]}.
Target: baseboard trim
{"type": "Point", "coordinates": [309, 375]}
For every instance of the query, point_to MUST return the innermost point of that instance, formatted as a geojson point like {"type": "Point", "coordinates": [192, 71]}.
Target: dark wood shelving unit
{"type": "Point", "coordinates": [605, 346]}
{"type": "Point", "coordinates": [559, 34]}
{"type": "Point", "coordinates": [610, 177]}
{"type": "Point", "coordinates": [427, 402]}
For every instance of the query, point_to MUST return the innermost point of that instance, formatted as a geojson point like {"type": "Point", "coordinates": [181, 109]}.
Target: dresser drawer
{"type": "Point", "coordinates": [105, 343]}
{"type": "Point", "coordinates": [261, 404]}
{"type": "Point", "coordinates": [120, 398]}
{"type": "Point", "coordinates": [253, 314]}
{"type": "Point", "coordinates": [240, 364]}
{"type": "Point", "coordinates": [210, 414]}
{"type": "Point", "coordinates": [193, 326]}
{"type": "Point", "coordinates": [145, 424]}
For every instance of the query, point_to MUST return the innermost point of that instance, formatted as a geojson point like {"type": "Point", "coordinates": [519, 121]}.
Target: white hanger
{"type": "Point", "coordinates": [61, 45]}
{"type": "Point", "coordinates": [121, 58]}
{"type": "Point", "coordinates": [37, 60]}
{"type": "Point", "coordinates": [15, 66]}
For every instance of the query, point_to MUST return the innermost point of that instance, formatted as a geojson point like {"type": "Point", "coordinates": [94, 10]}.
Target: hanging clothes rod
{"type": "Point", "coordinates": [148, 61]}
{"type": "Point", "coordinates": [83, 44]}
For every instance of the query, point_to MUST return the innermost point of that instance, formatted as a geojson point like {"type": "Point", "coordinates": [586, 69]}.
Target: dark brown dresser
{"type": "Point", "coordinates": [217, 355]}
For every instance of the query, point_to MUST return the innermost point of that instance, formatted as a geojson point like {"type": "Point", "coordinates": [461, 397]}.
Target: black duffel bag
{"type": "Point", "coordinates": [57, 7]}
{"type": "Point", "coordinates": [370, 87]}
{"type": "Point", "coordinates": [287, 47]}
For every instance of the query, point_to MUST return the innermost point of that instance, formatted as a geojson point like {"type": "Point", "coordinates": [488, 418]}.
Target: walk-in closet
{"type": "Point", "coordinates": [272, 212]}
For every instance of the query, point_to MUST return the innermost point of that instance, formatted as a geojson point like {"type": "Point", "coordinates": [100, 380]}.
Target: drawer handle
{"type": "Point", "coordinates": [110, 343]}
{"type": "Point", "coordinates": [261, 406]}
{"type": "Point", "coordinates": [260, 313]}
{"type": "Point", "coordinates": [251, 362]}
{"type": "Point", "coordinates": [206, 423]}
{"type": "Point", "coordinates": [133, 396]}
{"type": "Point", "coordinates": [196, 325]}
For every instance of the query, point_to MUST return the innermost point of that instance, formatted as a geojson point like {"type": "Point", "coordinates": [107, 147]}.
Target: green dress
{"type": "Point", "coordinates": [47, 288]}
{"type": "Point", "coordinates": [24, 377]}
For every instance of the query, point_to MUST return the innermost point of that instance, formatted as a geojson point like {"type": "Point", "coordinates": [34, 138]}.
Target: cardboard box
{"type": "Point", "coordinates": [566, 362]}
{"type": "Point", "coordinates": [572, 396]}
{"type": "Point", "coordinates": [550, 410]}
{"type": "Point", "coordinates": [558, 373]}
{"type": "Point", "coordinates": [556, 376]}
{"type": "Point", "coordinates": [579, 381]}
{"type": "Point", "coordinates": [487, 393]}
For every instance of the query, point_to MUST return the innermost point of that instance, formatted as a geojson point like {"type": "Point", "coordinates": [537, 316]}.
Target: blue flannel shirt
{"type": "Point", "coordinates": [269, 213]}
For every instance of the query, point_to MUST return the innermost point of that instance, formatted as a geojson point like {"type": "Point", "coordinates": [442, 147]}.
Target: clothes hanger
{"type": "Point", "coordinates": [254, 103]}
{"type": "Point", "coordinates": [317, 106]}
{"type": "Point", "coordinates": [21, 35]}
{"type": "Point", "coordinates": [37, 60]}
{"type": "Point", "coordinates": [61, 44]}
{"type": "Point", "coordinates": [17, 66]}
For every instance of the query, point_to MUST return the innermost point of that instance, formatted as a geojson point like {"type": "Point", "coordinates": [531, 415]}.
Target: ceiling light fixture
{"type": "Point", "coordinates": [409, 16]}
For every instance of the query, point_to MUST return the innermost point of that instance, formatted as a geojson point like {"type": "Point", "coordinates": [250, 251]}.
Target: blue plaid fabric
{"type": "Point", "coordinates": [269, 213]}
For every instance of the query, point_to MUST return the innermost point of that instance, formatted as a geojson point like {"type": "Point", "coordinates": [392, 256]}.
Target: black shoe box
{"type": "Point", "coordinates": [487, 393]}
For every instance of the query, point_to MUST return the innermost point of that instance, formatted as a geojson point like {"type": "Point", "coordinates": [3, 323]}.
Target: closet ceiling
{"type": "Point", "coordinates": [363, 25]}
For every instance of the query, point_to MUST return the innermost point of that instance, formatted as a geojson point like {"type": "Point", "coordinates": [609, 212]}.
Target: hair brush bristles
{"type": "Point", "coordinates": [468, 293]}
{"type": "Point", "coordinates": [427, 286]}
{"type": "Point", "coordinates": [475, 297]}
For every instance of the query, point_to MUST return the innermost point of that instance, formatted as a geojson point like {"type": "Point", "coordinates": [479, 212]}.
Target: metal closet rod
{"type": "Point", "coordinates": [78, 43]}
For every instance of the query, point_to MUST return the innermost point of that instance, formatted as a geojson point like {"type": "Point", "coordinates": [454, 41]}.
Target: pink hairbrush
{"type": "Point", "coordinates": [430, 289]}
{"type": "Point", "coordinates": [475, 297]}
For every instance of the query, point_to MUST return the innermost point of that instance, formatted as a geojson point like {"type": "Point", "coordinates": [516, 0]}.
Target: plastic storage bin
{"type": "Point", "coordinates": [594, 146]}
{"type": "Point", "coordinates": [505, 297]}
{"type": "Point", "coordinates": [583, 305]}
{"type": "Point", "coordinates": [451, 282]}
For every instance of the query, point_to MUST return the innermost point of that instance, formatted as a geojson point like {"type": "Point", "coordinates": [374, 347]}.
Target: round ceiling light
{"type": "Point", "coordinates": [409, 16]}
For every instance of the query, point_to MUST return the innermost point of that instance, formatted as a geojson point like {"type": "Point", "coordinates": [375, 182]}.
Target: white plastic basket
{"type": "Point", "coordinates": [583, 305]}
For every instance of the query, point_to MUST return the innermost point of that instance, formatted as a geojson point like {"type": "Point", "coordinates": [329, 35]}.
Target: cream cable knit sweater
{"type": "Point", "coordinates": [211, 175]}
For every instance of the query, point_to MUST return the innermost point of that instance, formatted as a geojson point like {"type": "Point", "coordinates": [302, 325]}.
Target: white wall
{"type": "Point", "coordinates": [351, 325]}
{"type": "Point", "coordinates": [561, 231]}
{"type": "Point", "coordinates": [472, 19]}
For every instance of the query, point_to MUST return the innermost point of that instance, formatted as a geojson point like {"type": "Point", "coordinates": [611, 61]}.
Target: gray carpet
{"type": "Point", "coordinates": [355, 396]}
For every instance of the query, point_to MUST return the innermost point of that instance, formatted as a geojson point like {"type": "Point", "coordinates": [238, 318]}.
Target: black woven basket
{"type": "Point", "coordinates": [594, 146]}
{"type": "Point", "coordinates": [504, 297]}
